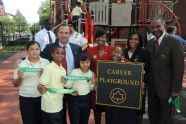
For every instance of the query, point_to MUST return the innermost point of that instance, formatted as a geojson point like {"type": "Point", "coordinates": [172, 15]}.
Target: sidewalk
{"type": "Point", "coordinates": [9, 110]}
{"type": "Point", "coordinates": [9, 106]}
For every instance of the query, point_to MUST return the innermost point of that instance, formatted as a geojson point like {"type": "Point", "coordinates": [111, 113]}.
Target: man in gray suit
{"type": "Point", "coordinates": [166, 73]}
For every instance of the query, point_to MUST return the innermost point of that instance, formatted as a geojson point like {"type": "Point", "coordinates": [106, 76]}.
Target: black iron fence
{"type": "Point", "coordinates": [12, 35]}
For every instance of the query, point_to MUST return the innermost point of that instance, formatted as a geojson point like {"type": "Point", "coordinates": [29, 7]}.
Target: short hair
{"type": "Point", "coordinates": [30, 43]}
{"type": "Point", "coordinates": [55, 47]}
{"type": "Point", "coordinates": [78, 4]}
{"type": "Point", "coordinates": [84, 56]}
{"type": "Point", "coordinates": [100, 33]}
{"type": "Point", "coordinates": [159, 19]}
{"type": "Point", "coordinates": [117, 46]}
{"type": "Point", "coordinates": [65, 25]}
{"type": "Point", "coordinates": [46, 20]}
{"type": "Point", "coordinates": [171, 29]}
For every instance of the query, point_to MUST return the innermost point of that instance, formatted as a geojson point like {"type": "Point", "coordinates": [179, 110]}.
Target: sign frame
{"type": "Point", "coordinates": [103, 82]}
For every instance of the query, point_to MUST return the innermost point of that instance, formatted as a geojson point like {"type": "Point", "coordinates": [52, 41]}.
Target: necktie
{"type": "Point", "coordinates": [64, 61]}
{"type": "Point", "coordinates": [49, 37]}
{"type": "Point", "coordinates": [156, 46]}
{"type": "Point", "coordinates": [156, 43]}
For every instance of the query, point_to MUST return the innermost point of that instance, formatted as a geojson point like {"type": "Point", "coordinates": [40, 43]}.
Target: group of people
{"type": "Point", "coordinates": [61, 77]}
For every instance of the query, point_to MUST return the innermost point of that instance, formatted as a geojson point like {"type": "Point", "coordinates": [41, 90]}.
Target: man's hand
{"type": "Point", "coordinates": [175, 94]}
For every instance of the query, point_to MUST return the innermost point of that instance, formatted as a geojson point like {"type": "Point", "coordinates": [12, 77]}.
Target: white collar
{"type": "Point", "coordinates": [28, 61]}
{"type": "Point", "coordinates": [161, 38]}
{"type": "Point", "coordinates": [61, 45]}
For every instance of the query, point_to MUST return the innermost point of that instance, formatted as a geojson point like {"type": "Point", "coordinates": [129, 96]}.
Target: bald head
{"type": "Point", "coordinates": [157, 27]}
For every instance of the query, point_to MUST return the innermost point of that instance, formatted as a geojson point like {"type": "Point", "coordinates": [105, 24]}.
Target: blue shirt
{"type": "Point", "coordinates": [69, 58]}
{"type": "Point", "coordinates": [181, 40]}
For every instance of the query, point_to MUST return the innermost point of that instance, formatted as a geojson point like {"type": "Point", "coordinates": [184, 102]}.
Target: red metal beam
{"type": "Point", "coordinates": [175, 17]}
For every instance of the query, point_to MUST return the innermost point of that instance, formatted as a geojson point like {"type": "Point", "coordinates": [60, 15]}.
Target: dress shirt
{"type": "Point", "coordinates": [43, 39]}
{"type": "Point", "coordinates": [69, 58]}
{"type": "Point", "coordinates": [77, 11]}
{"type": "Point", "coordinates": [161, 38]}
{"type": "Point", "coordinates": [78, 39]}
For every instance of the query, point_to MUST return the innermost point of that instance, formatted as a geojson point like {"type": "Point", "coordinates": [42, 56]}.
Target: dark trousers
{"type": "Point", "coordinates": [122, 116]}
{"type": "Point", "coordinates": [160, 112]}
{"type": "Point", "coordinates": [52, 118]}
{"type": "Point", "coordinates": [30, 110]}
{"type": "Point", "coordinates": [65, 104]}
{"type": "Point", "coordinates": [97, 114]}
{"type": "Point", "coordinates": [79, 109]}
{"type": "Point", "coordinates": [75, 22]}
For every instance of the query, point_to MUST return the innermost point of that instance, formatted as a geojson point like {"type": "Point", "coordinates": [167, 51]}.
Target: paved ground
{"type": "Point", "coordinates": [5, 55]}
{"type": "Point", "coordinates": [9, 110]}
{"type": "Point", "coordinates": [178, 118]}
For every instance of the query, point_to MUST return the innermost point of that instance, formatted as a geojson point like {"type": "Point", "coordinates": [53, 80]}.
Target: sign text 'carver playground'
{"type": "Point", "coordinates": [119, 84]}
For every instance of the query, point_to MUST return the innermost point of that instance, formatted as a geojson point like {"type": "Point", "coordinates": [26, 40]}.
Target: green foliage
{"type": "Point", "coordinates": [7, 20]}
{"type": "Point", "coordinates": [44, 11]}
{"type": "Point", "coordinates": [18, 21]}
{"type": "Point", "coordinates": [19, 17]}
{"type": "Point", "coordinates": [34, 28]}
{"type": "Point", "coordinates": [13, 48]}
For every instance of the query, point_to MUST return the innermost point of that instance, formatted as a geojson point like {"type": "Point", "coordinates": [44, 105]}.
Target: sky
{"type": "Point", "coordinates": [28, 8]}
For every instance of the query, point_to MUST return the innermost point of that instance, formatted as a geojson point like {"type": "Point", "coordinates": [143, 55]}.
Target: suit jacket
{"type": "Point", "coordinates": [166, 66]}
{"type": "Point", "coordinates": [140, 55]}
{"type": "Point", "coordinates": [76, 50]}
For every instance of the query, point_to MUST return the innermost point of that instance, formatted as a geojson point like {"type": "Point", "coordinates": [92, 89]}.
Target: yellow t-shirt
{"type": "Point", "coordinates": [51, 78]}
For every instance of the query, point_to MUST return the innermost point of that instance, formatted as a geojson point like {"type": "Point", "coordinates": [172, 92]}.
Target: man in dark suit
{"type": "Point", "coordinates": [72, 52]}
{"type": "Point", "coordinates": [63, 34]}
{"type": "Point", "coordinates": [166, 73]}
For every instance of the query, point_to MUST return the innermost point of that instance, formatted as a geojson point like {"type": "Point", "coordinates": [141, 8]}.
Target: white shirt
{"type": "Point", "coordinates": [43, 39]}
{"type": "Point", "coordinates": [83, 87]}
{"type": "Point", "coordinates": [77, 11]}
{"type": "Point", "coordinates": [161, 38]}
{"type": "Point", "coordinates": [51, 78]}
{"type": "Point", "coordinates": [130, 54]}
{"type": "Point", "coordinates": [28, 87]}
{"type": "Point", "coordinates": [69, 58]}
{"type": "Point", "coordinates": [78, 39]}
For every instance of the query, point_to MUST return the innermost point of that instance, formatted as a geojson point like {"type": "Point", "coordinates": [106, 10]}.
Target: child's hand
{"type": "Point", "coordinates": [75, 93]}
{"type": "Point", "coordinates": [20, 74]}
{"type": "Point", "coordinates": [63, 80]}
{"type": "Point", "coordinates": [42, 88]}
{"type": "Point", "coordinates": [93, 80]}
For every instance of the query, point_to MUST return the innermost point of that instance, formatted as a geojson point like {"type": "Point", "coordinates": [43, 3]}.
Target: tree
{"type": "Point", "coordinates": [44, 11]}
{"type": "Point", "coordinates": [20, 21]}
